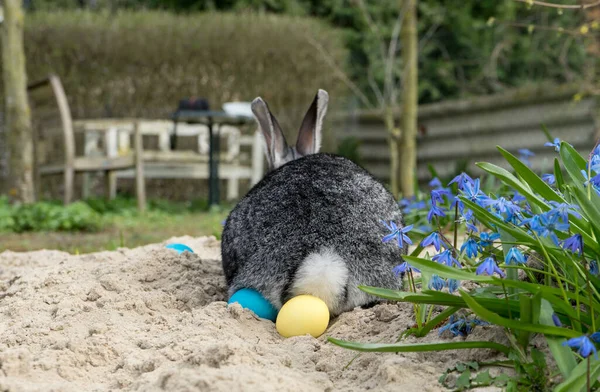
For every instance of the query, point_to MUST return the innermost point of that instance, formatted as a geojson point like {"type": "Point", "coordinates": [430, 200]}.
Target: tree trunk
{"type": "Point", "coordinates": [17, 121]}
{"type": "Point", "coordinates": [393, 138]}
{"type": "Point", "coordinates": [407, 148]}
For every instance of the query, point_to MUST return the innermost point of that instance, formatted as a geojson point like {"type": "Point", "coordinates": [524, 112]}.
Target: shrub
{"type": "Point", "coordinates": [142, 63]}
{"type": "Point", "coordinates": [531, 254]}
{"type": "Point", "coordinates": [48, 216]}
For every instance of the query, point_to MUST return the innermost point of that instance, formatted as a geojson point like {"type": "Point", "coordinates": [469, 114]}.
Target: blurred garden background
{"type": "Point", "coordinates": [483, 73]}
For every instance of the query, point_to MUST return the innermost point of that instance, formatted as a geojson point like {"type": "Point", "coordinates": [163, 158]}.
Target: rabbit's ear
{"type": "Point", "coordinates": [309, 137]}
{"type": "Point", "coordinates": [276, 147]}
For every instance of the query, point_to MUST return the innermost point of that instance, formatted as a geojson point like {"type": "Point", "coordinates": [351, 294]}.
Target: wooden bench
{"type": "Point", "coordinates": [241, 159]}
{"type": "Point", "coordinates": [55, 149]}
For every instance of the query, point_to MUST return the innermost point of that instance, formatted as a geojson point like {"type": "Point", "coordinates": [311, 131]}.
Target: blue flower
{"type": "Point", "coordinates": [486, 239]}
{"type": "Point", "coordinates": [437, 195]}
{"type": "Point", "coordinates": [446, 258]}
{"type": "Point", "coordinates": [549, 179]}
{"type": "Point", "coordinates": [533, 223]}
{"type": "Point", "coordinates": [469, 221]}
{"type": "Point", "coordinates": [461, 326]}
{"type": "Point", "coordinates": [436, 283]}
{"type": "Point", "coordinates": [514, 255]}
{"type": "Point", "coordinates": [452, 285]}
{"type": "Point", "coordinates": [462, 179]}
{"type": "Point", "coordinates": [399, 233]}
{"type": "Point", "coordinates": [470, 247]}
{"type": "Point", "coordinates": [408, 205]}
{"type": "Point", "coordinates": [594, 163]}
{"type": "Point", "coordinates": [583, 345]}
{"type": "Point", "coordinates": [517, 198]}
{"type": "Point", "coordinates": [526, 152]}
{"type": "Point", "coordinates": [595, 180]}
{"type": "Point", "coordinates": [435, 183]}
{"type": "Point", "coordinates": [504, 206]}
{"type": "Point", "coordinates": [461, 205]}
{"type": "Point", "coordinates": [473, 193]}
{"type": "Point", "coordinates": [402, 268]}
{"type": "Point", "coordinates": [595, 337]}
{"type": "Point", "coordinates": [594, 267]}
{"type": "Point", "coordinates": [488, 267]}
{"type": "Point", "coordinates": [524, 155]}
{"type": "Point", "coordinates": [564, 209]}
{"type": "Point", "coordinates": [556, 144]}
{"type": "Point", "coordinates": [556, 320]}
{"type": "Point", "coordinates": [433, 239]}
{"type": "Point", "coordinates": [549, 223]}
{"type": "Point", "coordinates": [435, 211]}
{"type": "Point", "coordinates": [573, 243]}
{"type": "Point", "coordinates": [472, 227]}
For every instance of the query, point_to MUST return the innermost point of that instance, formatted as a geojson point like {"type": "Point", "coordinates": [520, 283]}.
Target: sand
{"type": "Point", "coordinates": [149, 319]}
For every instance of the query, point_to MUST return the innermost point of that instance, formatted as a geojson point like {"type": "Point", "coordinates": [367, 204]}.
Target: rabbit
{"type": "Point", "coordinates": [313, 224]}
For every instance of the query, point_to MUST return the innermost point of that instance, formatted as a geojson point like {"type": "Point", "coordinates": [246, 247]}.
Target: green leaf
{"type": "Point", "coordinates": [444, 271]}
{"type": "Point", "coordinates": [573, 162]}
{"type": "Point", "coordinates": [425, 329]}
{"type": "Point", "coordinates": [563, 356]}
{"type": "Point", "coordinates": [490, 220]}
{"type": "Point", "coordinates": [418, 347]}
{"type": "Point", "coordinates": [526, 317]}
{"type": "Point", "coordinates": [506, 177]}
{"type": "Point", "coordinates": [438, 298]}
{"type": "Point", "coordinates": [552, 295]}
{"type": "Point", "coordinates": [464, 380]}
{"type": "Point", "coordinates": [560, 181]}
{"type": "Point", "coordinates": [483, 378]}
{"type": "Point", "coordinates": [590, 207]}
{"type": "Point", "coordinates": [417, 250]}
{"type": "Point", "coordinates": [547, 133]}
{"type": "Point", "coordinates": [494, 318]}
{"type": "Point", "coordinates": [511, 273]}
{"type": "Point", "coordinates": [577, 381]}
{"type": "Point", "coordinates": [531, 178]}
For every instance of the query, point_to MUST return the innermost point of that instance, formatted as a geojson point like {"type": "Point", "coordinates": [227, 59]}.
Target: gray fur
{"type": "Point", "coordinates": [304, 205]}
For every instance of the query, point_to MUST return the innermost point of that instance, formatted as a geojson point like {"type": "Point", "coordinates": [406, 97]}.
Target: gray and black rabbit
{"type": "Point", "coordinates": [312, 225]}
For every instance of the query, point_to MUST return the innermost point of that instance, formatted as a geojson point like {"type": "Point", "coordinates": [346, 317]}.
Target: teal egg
{"type": "Point", "coordinates": [253, 300]}
{"type": "Point", "coordinates": [180, 248]}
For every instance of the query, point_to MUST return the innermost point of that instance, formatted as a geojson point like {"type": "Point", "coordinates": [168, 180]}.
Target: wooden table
{"type": "Point", "coordinates": [210, 118]}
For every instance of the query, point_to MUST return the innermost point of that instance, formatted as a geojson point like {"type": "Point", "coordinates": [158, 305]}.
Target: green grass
{"type": "Point", "coordinates": [119, 231]}
{"type": "Point", "coordinates": [119, 225]}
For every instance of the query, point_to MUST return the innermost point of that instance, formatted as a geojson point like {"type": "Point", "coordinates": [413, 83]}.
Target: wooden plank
{"type": "Point", "coordinates": [102, 163]}
{"type": "Point", "coordinates": [83, 164]}
{"type": "Point", "coordinates": [140, 184]}
{"type": "Point", "coordinates": [177, 171]}
{"type": "Point", "coordinates": [180, 157]}
{"type": "Point", "coordinates": [69, 138]}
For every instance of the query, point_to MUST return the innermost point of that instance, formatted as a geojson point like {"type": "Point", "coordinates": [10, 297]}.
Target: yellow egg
{"type": "Point", "coordinates": [301, 315]}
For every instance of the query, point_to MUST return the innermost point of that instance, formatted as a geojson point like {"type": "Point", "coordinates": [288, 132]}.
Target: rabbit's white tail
{"type": "Point", "coordinates": [323, 274]}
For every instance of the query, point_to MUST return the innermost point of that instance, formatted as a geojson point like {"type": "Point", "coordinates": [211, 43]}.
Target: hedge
{"type": "Point", "coordinates": [142, 63]}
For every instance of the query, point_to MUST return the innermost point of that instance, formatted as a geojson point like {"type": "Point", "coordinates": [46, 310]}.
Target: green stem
{"type": "Point", "coordinates": [554, 272]}
{"type": "Point", "coordinates": [588, 375]}
{"type": "Point", "coordinates": [590, 295]}
{"type": "Point", "coordinates": [413, 287]}
{"type": "Point", "coordinates": [589, 172]}
{"type": "Point", "coordinates": [455, 230]}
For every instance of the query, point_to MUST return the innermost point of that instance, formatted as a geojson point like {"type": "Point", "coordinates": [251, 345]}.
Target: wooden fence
{"type": "Point", "coordinates": [463, 132]}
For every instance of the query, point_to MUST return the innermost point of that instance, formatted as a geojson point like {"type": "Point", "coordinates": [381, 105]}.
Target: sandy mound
{"type": "Point", "coordinates": [149, 319]}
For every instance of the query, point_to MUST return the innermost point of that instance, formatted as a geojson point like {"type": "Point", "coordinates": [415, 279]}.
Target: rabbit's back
{"type": "Point", "coordinates": [315, 221]}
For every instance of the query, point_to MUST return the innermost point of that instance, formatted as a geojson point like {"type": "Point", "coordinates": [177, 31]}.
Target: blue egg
{"type": "Point", "coordinates": [253, 300]}
{"type": "Point", "coordinates": [180, 248]}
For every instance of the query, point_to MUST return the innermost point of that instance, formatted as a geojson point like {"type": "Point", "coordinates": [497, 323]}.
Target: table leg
{"type": "Point", "coordinates": [213, 159]}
